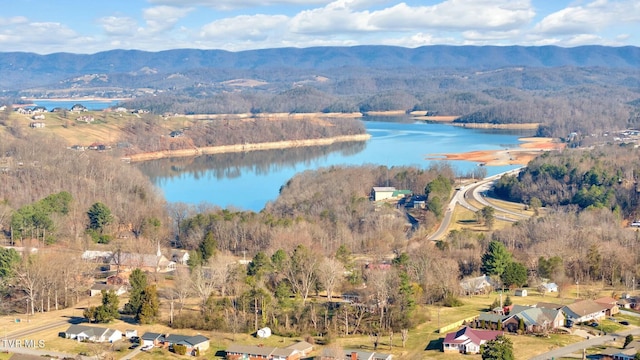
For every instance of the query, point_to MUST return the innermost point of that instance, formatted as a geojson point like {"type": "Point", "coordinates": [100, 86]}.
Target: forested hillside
{"type": "Point", "coordinates": [603, 177]}
{"type": "Point", "coordinates": [35, 167]}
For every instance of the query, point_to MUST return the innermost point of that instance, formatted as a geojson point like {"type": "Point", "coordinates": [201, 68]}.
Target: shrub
{"type": "Point", "coordinates": [451, 301]}
{"type": "Point", "coordinates": [180, 349]}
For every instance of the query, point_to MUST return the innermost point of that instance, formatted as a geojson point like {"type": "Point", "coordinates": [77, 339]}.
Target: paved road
{"type": "Point", "coordinates": [472, 191]}
{"type": "Point", "coordinates": [578, 347]}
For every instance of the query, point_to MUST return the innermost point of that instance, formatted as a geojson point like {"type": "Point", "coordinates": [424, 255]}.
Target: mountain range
{"type": "Point", "coordinates": [21, 70]}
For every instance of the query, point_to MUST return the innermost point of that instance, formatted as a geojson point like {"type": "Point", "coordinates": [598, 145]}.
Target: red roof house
{"type": "Point", "coordinates": [468, 340]}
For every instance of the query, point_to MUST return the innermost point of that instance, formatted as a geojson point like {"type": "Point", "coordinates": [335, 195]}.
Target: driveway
{"type": "Point", "coordinates": [578, 347]}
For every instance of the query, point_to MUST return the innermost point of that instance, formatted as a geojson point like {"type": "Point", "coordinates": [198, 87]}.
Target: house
{"type": "Point", "coordinates": [180, 256]}
{"type": "Point", "coordinates": [97, 256]}
{"type": "Point", "coordinates": [78, 107]}
{"type": "Point", "coordinates": [195, 344]}
{"type": "Point", "coordinates": [350, 354]}
{"type": "Point", "coordinates": [38, 117]}
{"type": "Point", "coordinates": [478, 285]}
{"type": "Point", "coordinates": [92, 334]}
{"type": "Point", "coordinates": [147, 262]}
{"type": "Point", "coordinates": [611, 305]}
{"type": "Point", "coordinates": [520, 292]}
{"type": "Point", "coordinates": [468, 340]}
{"type": "Point", "coordinates": [37, 124]}
{"type": "Point", "coordinates": [388, 192]}
{"type": "Point", "coordinates": [25, 357]}
{"type": "Point", "coordinates": [548, 305]}
{"type": "Point", "coordinates": [97, 288]}
{"type": "Point", "coordinates": [85, 118]}
{"type": "Point", "coordinates": [549, 287]}
{"type": "Point", "coordinates": [117, 280]}
{"type": "Point", "coordinates": [628, 353]}
{"type": "Point", "coordinates": [583, 311]}
{"type": "Point", "coordinates": [303, 347]}
{"type": "Point", "coordinates": [242, 352]}
{"type": "Point", "coordinates": [535, 319]}
{"type": "Point", "coordinates": [150, 338]}
{"type": "Point", "coordinates": [625, 303]}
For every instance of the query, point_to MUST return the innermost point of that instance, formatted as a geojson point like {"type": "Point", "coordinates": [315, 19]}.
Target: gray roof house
{"type": "Point", "coordinates": [92, 333]}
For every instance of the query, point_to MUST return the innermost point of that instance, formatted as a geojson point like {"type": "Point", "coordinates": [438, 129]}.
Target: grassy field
{"type": "Point", "coordinates": [106, 128]}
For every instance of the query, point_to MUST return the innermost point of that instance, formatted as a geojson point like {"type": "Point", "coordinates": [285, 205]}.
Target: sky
{"type": "Point", "coordinates": [90, 26]}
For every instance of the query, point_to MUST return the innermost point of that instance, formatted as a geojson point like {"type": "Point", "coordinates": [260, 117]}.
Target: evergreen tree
{"type": "Point", "coordinates": [496, 259]}
{"type": "Point", "coordinates": [499, 349]}
{"type": "Point", "coordinates": [150, 305]}
{"type": "Point", "coordinates": [594, 260]}
{"type": "Point", "coordinates": [138, 282]}
{"type": "Point", "coordinates": [208, 247]}
{"type": "Point", "coordinates": [521, 327]}
{"type": "Point", "coordinates": [8, 259]}
{"type": "Point", "coordinates": [259, 265]}
{"type": "Point", "coordinates": [627, 340]}
{"type": "Point", "coordinates": [106, 312]}
{"type": "Point", "coordinates": [99, 217]}
{"type": "Point", "coordinates": [515, 274]}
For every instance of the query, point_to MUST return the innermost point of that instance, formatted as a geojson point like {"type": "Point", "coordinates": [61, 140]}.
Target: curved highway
{"type": "Point", "coordinates": [474, 191]}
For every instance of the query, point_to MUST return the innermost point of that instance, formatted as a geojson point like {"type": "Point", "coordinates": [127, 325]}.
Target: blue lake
{"type": "Point", "coordinates": [93, 105]}
{"type": "Point", "coordinates": [249, 180]}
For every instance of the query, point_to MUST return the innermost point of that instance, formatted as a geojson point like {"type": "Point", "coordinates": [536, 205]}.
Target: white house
{"type": "Point", "coordinates": [549, 287]}
{"type": "Point", "coordinates": [478, 285]}
{"type": "Point", "coordinates": [584, 311]}
{"type": "Point", "coordinates": [180, 256]}
{"type": "Point", "coordinates": [92, 334]}
{"type": "Point", "coordinates": [97, 288]}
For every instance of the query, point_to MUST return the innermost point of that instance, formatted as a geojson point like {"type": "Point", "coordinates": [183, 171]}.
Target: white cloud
{"type": "Point", "coordinates": [448, 15]}
{"type": "Point", "coordinates": [163, 18]}
{"type": "Point", "coordinates": [15, 20]}
{"type": "Point", "coordinates": [118, 26]}
{"type": "Point", "coordinates": [456, 15]}
{"type": "Point", "coordinates": [244, 27]}
{"type": "Point", "coordinates": [238, 4]}
{"type": "Point", "coordinates": [489, 37]}
{"type": "Point", "coordinates": [593, 17]}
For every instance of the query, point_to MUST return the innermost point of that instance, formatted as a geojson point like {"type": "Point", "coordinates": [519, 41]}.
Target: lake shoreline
{"type": "Point", "coordinates": [223, 149]}
{"type": "Point", "coordinates": [530, 148]}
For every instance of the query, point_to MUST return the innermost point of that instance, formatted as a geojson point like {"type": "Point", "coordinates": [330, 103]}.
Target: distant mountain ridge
{"type": "Point", "coordinates": [19, 69]}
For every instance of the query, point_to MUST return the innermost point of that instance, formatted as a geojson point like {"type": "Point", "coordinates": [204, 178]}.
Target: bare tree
{"type": "Point", "coordinates": [202, 285]}
{"type": "Point", "coordinates": [405, 336]}
{"type": "Point", "coordinates": [331, 272]}
{"type": "Point", "coordinates": [182, 286]}
{"type": "Point", "coordinates": [29, 278]}
{"type": "Point", "coordinates": [301, 271]}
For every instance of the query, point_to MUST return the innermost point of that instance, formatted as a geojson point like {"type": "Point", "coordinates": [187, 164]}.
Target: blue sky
{"type": "Point", "coordinates": [85, 26]}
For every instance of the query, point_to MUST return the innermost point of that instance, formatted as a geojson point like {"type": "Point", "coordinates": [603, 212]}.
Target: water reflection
{"type": "Point", "coordinates": [234, 165]}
